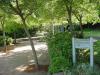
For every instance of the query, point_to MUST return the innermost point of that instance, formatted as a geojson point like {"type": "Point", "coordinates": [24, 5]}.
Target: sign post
{"type": "Point", "coordinates": [82, 43]}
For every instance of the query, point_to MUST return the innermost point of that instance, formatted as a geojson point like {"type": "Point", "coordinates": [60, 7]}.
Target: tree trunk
{"type": "Point", "coordinates": [53, 29]}
{"type": "Point", "coordinates": [31, 42]}
{"type": "Point", "coordinates": [4, 37]}
{"type": "Point", "coordinates": [15, 38]}
{"type": "Point", "coordinates": [80, 20]}
{"type": "Point", "coordinates": [69, 10]}
{"type": "Point", "coordinates": [19, 12]}
{"type": "Point", "coordinates": [81, 24]}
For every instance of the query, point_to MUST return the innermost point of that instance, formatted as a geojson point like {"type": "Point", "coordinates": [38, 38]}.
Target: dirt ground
{"type": "Point", "coordinates": [14, 62]}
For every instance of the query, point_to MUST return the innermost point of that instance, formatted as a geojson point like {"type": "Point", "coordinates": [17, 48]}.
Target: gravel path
{"type": "Point", "coordinates": [13, 63]}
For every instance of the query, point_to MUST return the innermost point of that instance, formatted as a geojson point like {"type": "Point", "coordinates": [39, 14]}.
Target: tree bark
{"type": "Point", "coordinates": [15, 38]}
{"type": "Point", "coordinates": [4, 36]}
{"type": "Point", "coordinates": [31, 42]}
{"type": "Point", "coordinates": [19, 12]}
{"type": "Point", "coordinates": [80, 20]}
{"type": "Point", "coordinates": [69, 10]}
{"type": "Point", "coordinates": [68, 4]}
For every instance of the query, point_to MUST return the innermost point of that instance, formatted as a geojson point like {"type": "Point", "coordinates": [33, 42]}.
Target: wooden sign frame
{"type": "Point", "coordinates": [83, 43]}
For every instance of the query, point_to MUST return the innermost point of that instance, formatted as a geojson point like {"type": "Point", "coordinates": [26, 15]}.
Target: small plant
{"type": "Point", "coordinates": [97, 53]}
{"type": "Point", "coordinates": [85, 69]}
{"type": "Point", "coordinates": [9, 40]}
{"type": "Point", "coordinates": [58, 64]}
{"type": "Point", "coordinates": [1, 41]}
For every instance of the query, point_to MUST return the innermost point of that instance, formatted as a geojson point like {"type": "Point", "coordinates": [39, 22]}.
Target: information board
{"type": "Point", "coordinates": [82, 43]}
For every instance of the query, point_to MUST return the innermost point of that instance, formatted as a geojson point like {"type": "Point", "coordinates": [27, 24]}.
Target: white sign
{"type": "Point", "coordinates": [82, 43]}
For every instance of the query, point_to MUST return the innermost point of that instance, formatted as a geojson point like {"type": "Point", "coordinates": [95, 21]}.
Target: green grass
{"type": "Point", "coordinates": [93, 33]}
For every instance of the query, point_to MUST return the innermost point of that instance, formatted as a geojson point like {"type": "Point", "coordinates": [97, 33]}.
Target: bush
{"type": "Point", "coordinates": [9, 40]}
{"type": "Point", "coordinates": [59, 46]}
{"type": "Point", "coordinates": [58, 64]}
{"type": "Point", "coordinates": [85, 69]}
{"type": "Point", "coordinates": [1, 41]}
{"type": "Point", "coordinates": [78, 34]}
{"type": "Point", "coordinates": [20, 33]}
{"type": "Point", "coordinates": [97, 52]}
{"type": "Point", "coordinates": [33, 30]}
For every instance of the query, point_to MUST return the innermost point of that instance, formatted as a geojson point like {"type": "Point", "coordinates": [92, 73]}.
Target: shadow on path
{"type": "Point", "coordinates": [12, 63]}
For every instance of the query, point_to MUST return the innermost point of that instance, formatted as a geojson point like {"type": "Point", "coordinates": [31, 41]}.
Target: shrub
{"type": "Point", "coordinates": [58, 64]}
{"type": "Point", "coordinates": [59, 46]}
{"type": "Point", "coordinates": [33, 30]}
{"type": "Point", "coordinates": [1, 41]}
{"type": "Point", "coordinates": [97, 52]}
{"type": "Point", "coordinates": [21, 33]}
{"type": "Point", "coordinates": [78, 34]}
{"type": "Point", "coordinates": [9, 40]}
{"type": "Point", "coordinates": [85, 69]}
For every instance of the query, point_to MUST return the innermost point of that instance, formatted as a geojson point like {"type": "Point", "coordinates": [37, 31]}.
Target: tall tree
{"type": "Point", "coordinates": [22, 8]}
{"type": "Point", "coordinates": [69, 4]}
{"type": "Point", "coordinates": [2, 19]}
{"type": "Point", "coordinates": [78, 11]}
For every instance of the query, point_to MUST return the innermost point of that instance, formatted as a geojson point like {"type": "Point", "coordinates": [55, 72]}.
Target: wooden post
{"type": "Point", "coordinates": [91, 52]}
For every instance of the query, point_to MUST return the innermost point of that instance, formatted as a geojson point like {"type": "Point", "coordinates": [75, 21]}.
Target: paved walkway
{"type": "Point", "coordinates": [12, 64]}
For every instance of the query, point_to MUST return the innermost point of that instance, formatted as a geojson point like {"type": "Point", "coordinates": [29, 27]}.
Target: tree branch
{"type": "Point", "coordinates": [30, 13]}
{"type": "Point", "coordinates": [76, 16]}
{"type": "Point", "coordinates": [18, 8]}
{"type": "Point", "coordinates": [31, 10]}
{"type": "Point", "coordinates": [14, 9]}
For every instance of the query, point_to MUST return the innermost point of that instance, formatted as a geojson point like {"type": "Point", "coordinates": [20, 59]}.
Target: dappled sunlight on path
{"type": "Point", "coordinates": [12, 63]}
{"type": "Point", "coordinates": [28, 47]}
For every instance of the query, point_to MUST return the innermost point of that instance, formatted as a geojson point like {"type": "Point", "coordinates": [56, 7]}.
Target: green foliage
{"type": "Point", "coordinates": [97, 52]}
{"type": "Point", "coordinates": [33, 30]}
{"type": "Point", "coordinates": [85, 69]}
{"type": "Point", "coordinates": [91, 32]}
{"type": "Point", "coordinates": [9, 40]}
{"type": "Point", "coordinates": [21, 33]}
{"type": "Point", "coordinates": [59, 46]}
{"type": "Point", "coordinates": [78, 34]}
{"type": "Point", "coordinates": [1, 41]}
{"type": "Point", "coordinates": [12, 26]}
{"type": "Point", "coordinates": [58, 64]}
